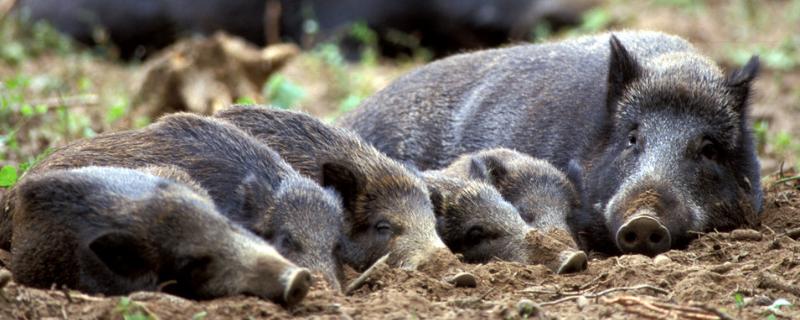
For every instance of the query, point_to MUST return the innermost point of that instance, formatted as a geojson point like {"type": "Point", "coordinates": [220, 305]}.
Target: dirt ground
{"type": "Point", "coordinates": [737, 275]}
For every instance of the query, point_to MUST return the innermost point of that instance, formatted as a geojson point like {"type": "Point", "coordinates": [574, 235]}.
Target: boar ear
{"type": "Point", "coordinates": [342, 179]}
{"type": "Point", "coordinates": [253, 193]}
{"type": "Point", "coordinates": [739, 82]}
{"type": "Point", "coordinates": [622, 70]}
{"type": "Point", "coordinates": [124, 254]}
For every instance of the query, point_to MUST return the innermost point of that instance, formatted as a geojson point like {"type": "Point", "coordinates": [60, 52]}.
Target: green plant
{"type": "Point", "coordinates": [369, 38]}
{"type": "Point", "coordinates": [8, 176]}
{"type": "Point", "coordinates": [281, 92]}
{"type": "Point", "coordinates": [245, 100]}
{"type": "Point", "coordinates": [760, 128]}
{"type": "Point", "coordinates": [130, 310]}
{"type": "Point", "coordinates": [23, 39]}
{"type": "Point", "coordinates": [738, 300]}
{"type": "Point", "coordinates": [200, 315]}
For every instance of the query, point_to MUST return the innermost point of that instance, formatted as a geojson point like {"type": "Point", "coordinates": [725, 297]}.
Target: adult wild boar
{"type": "Point", "coordinates": [661, 132]}
{"type": "Point", "coordinates": [114, 231]}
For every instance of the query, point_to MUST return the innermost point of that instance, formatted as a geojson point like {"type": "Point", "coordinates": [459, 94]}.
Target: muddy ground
{"type": "Point", "coordinates": [739, 275]}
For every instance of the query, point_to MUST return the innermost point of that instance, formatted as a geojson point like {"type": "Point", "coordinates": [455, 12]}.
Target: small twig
{"type": "Point", "coordinates": [165, 284]}
{"type": "Point", "coordinates": [771, 231]}
{"type": "Point", "coordinates": [80, 296]}
{"type": "Point", "coordinates": [83, 99]}
{"type": "Point", "coordinates": [607, 291]}
{"type": "Point", "coordinates": [663, 310]}
{"type": "Point", "coordinates": [792, 233]}
{"type": "Point", "coordinates": [771, 281]}
{"type": "Point", "coordinates": [65, 290]}
{"type": "Point", "coordinates": [364, 277]}
{"type": "Point", "coordinates": [787, 179]}
{"type": "Point", "coordinates": [715, 311]}
{"type": "Point", "coordinates": [593, 281]}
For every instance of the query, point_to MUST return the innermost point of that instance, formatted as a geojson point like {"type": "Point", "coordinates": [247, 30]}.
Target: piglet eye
{"type": "Point", "coordinates": [475, 233]}
{"type": "Point", "coordinates": [633, 138]}
{"type": "Point", "coordinates": [709, 150]}
{"type": "Point", "coordinates": [383, 227]}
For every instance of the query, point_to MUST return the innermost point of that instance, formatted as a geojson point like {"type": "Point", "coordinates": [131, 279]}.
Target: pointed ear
{"type": "Point", "coordinates": [124, 254]}
{"type": "Point", "coordinates": [255, 202]}
{"type": "Point", "coordinates": [622, 71]}
{"type": "Point", "coordinates": [488, 169]}
{"type": "Point", "coordinates": [345, 181]}
{"type": "Point", "coordinates": [739, 82]}
{"type": "Point", "coordinates": [575, 174]}
{"type": "Point", "coordinates": [478, 170]}
{"type": "Point", "coordinates": [437, 199]}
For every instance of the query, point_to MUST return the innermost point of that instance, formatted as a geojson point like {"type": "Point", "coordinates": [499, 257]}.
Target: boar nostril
{"type": "Point", "coordinates": [630, 237]}
{"type": "Point", "coordinates": [643, 234]}
{"type": "Point", "coordinates": [655, 238]}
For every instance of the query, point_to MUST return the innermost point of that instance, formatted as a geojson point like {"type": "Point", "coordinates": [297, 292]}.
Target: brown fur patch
{"type": "Point", "coordinates": [649, 199]}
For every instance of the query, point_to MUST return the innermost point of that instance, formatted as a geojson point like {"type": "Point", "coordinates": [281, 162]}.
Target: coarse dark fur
{"type": "Point", "coordinates": [638, 111]}
{"type": "Point", "coordinates": [245, 178]}
{"type": "Point", "coordinates": [473, 219]}
{"type": "Point", "coordinates": [386, 206]}
{"type": "Point", "coordinates": [114, 231]}
{"type": "Point", "coordinates": [545, 197]}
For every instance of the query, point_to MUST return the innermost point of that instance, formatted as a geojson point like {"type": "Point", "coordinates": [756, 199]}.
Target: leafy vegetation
{"type": "Point", "coordinates": [130, 310]}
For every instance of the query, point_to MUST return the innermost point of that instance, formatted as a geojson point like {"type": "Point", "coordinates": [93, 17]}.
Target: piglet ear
{"type": "Point", "coordinates": [575, 174]}
{"type": "Point", "coordinates": [124, 254]}
{"type": "Point", "coordinates": [437, 199]}
{"type": "Point", "coordinates": [739, 82]}
{"type": "Point", "coordinates": [489, 169]}
{"type": "Point", "coordinates": [623, 69]}
{"type": "Point", "coordinates": [345, 181]}
{"type": "Point", "coordinates": [254, 198]}
{"type": "Point", "coordinates": [478, 170]}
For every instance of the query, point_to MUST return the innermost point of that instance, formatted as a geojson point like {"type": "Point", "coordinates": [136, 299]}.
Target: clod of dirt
{"type": "Point", "coordinates": [746, 235]}
{"type": "Point", "coordinates": [463, 280]}
{"type": "Point", "coordinates": [203, 75]}
{"type": "Point", "coordinates": [5, 278]}
{"type": "Point", "coordinates": [528, 309]}
{"type": "Point", "coordinates": [661, 260]}
{"type": "Point", "coordinates": [582, 302]}
{"type": "Point", "coordinates": [554, 249]}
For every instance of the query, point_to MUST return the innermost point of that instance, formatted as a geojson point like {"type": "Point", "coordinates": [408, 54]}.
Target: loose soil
{"type": "Point", "coordinates": [719, 276]}
{"type": "Point", "coordinates": [701, 282]}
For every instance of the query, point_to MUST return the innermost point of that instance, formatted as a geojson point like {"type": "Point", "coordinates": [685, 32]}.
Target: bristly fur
{"type": "Point", "coordinates": [474, 220]}
{"type": "Point", "coordinates": [114, 231]}
{"type": "Point", "coordinates": [374, 189]}
{"type": "Point", "coordinates": [545, 197]}
{"type": "Point", "coordinates": [243, 176]}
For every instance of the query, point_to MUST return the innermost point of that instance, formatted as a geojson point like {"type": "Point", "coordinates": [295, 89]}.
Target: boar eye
{"type": "Point", "coordinates": [709, 150]}
{"type": "Point", "coordinates": [383, 227]}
